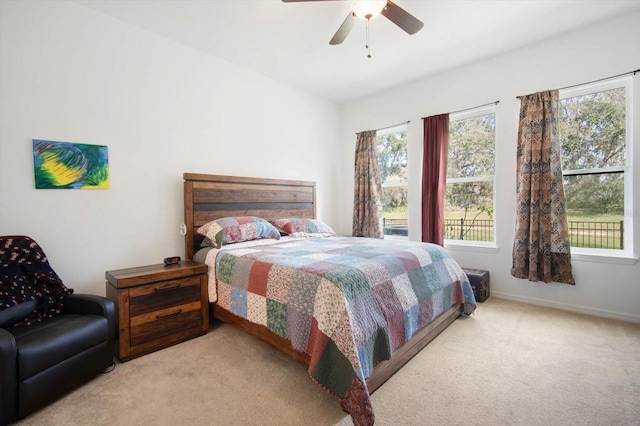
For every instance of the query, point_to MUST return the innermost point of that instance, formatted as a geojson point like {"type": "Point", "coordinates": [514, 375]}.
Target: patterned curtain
{"type": "Point", "coordinates": [541, 250]}
{"type": "Point", "coordinates": [434, 177]}
{"type": "Point", "coordinates": [367, 197]}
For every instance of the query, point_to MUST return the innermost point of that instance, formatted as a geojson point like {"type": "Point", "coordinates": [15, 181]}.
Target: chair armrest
{"type": "Point", "coordinates": [8, 377]}
{"type": "Point", "coordinates": [89, 304]}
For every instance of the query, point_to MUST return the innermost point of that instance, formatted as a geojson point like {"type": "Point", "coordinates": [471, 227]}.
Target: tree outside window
{"type": "Point", "coordinates": [592, 129]}
{"type": "Point", "coordinates": [392, 162]}
{"type": "Point", "coordinates": [470, 176]}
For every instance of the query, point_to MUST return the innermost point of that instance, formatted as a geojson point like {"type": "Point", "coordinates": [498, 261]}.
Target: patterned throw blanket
{"type": "Point", "coordinates": [347, 302]}
{"type": "Point", "coordinates": [25, 275]}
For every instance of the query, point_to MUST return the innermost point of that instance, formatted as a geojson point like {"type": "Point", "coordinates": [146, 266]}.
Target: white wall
{"type": "Point", "coordinates": [68, 73]}
{"type": "Point", "coordinates": [603, 288]}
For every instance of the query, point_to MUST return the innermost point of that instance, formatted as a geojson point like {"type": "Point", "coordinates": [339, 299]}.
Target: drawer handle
{"type": "Point", "coordinates": [168, 314]}
{"type": "Point", "coordinates": [167, 287]}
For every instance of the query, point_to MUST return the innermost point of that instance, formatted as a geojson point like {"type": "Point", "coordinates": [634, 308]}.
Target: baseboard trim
{"type": "Point", "coordinates": [604, 313]}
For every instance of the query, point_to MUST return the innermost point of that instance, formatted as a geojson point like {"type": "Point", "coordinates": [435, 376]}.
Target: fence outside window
{"type": "Point", "coordinates": [472, 230]}
{"type": "Point", "coordinates": [607, 235]}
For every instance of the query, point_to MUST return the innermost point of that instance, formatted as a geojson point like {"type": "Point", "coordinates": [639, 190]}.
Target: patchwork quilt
{"type": "Point", "coordinates": [347, 302]}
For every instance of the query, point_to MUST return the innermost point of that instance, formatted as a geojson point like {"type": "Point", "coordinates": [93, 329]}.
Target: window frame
{"type": "Point", "coordinates": [628, 252]}
{"type": "Point", "coordinates": [462, 115]}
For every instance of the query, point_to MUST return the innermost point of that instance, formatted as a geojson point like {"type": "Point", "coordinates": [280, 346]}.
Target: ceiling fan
{"type": "Point", "coordinates": [369, 9]}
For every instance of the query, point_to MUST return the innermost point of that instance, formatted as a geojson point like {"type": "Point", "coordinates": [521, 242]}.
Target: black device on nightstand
{"type": "Point", "coordinates": [174, 260]}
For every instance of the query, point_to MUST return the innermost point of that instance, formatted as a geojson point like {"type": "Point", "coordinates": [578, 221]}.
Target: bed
{"type": "Point", "coordinates": [340, 339]}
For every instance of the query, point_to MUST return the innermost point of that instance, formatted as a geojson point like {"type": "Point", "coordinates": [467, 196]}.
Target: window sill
{"type": "Point", "coordinates": [603, 256]}
{"type": "Point", "coordinates": [475, 246]}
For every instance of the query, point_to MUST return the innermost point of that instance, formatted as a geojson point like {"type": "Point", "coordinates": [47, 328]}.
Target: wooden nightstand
{"type": "Point", "coordinates": [158, 306]}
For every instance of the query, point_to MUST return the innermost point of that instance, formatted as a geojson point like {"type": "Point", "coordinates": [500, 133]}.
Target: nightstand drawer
{"type": "Point", "coordinates": [163, 295]}
{"type": "Point", "coordinates": [166, 322]}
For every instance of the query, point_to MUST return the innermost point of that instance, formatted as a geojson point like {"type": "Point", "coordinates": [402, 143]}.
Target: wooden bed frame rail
{"type": "Point", "coordinates": [381, 372]}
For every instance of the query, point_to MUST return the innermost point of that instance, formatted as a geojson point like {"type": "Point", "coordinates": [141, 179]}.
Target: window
{"type": "Point", "coordinates": [392, 161]}
{"type": "Point", "coordinates": [469, 197]}
{"type": "Point", "coordinates": [594, 129]}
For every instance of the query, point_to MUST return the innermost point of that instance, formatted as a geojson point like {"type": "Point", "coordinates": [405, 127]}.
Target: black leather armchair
{"type": "Point", "coordinates": [43, 360]}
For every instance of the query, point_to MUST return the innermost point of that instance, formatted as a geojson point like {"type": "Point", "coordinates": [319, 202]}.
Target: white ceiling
{"type": "Point", "coordinates": [290, 41]}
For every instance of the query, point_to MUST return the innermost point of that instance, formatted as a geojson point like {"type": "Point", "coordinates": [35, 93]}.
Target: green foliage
{"type": "Point", "coordinates": [392, 162]}
{"type": "Point", "coordinates": [471, 155]}
{"type": "Point", "coordinates": [600, 194]}
{"type": "Point", "coordinates": [592, 133]}
{"type": "Point", "coordinates": [472, 147]}
{"type": "Point", "coordinates": [592, 130]}
{"type": "Point", "coordinates": [394, 212]}
{"type": "Point", "coordinates": [392, 157]}
{"type": "Point", "coordinates": [469, 201]}
{"type": "Point", "coordinates": [470, 197]}
{"type": "Point", "coordinates": [394, 197]}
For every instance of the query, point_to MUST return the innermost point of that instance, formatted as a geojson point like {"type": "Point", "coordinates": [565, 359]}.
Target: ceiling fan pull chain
{"type": "Point", "coordinates": [368, 45]}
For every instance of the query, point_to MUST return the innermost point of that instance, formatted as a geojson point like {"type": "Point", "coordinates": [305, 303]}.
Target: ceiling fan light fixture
{"type": "Point", "coordinates": [368, 9]}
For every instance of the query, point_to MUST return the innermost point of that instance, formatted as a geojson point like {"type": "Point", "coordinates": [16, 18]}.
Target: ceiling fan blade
{"type": "Point", "coordinates": [344, 30]}
{"type": "Point", "coordinates": [401, 18]}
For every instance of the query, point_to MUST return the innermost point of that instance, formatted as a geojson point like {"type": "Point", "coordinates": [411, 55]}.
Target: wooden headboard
{"type": "Point", "coordinates": [210, 197]}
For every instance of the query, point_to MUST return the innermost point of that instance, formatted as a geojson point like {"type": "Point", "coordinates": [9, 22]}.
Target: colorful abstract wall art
{"type": "Point", "coordinates": [65, 165]}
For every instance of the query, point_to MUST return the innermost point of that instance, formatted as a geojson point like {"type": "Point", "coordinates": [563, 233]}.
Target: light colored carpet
{"type": "Point", "coordinates": [508, 364]}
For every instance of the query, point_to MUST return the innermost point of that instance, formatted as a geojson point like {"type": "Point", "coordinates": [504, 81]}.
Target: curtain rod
{"type": "Point", "coordinates": [387, 127]}
{"type": "Point", "coordinates": [594, 81]}
{"type": "Point", "coordinates": [469, 109]}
